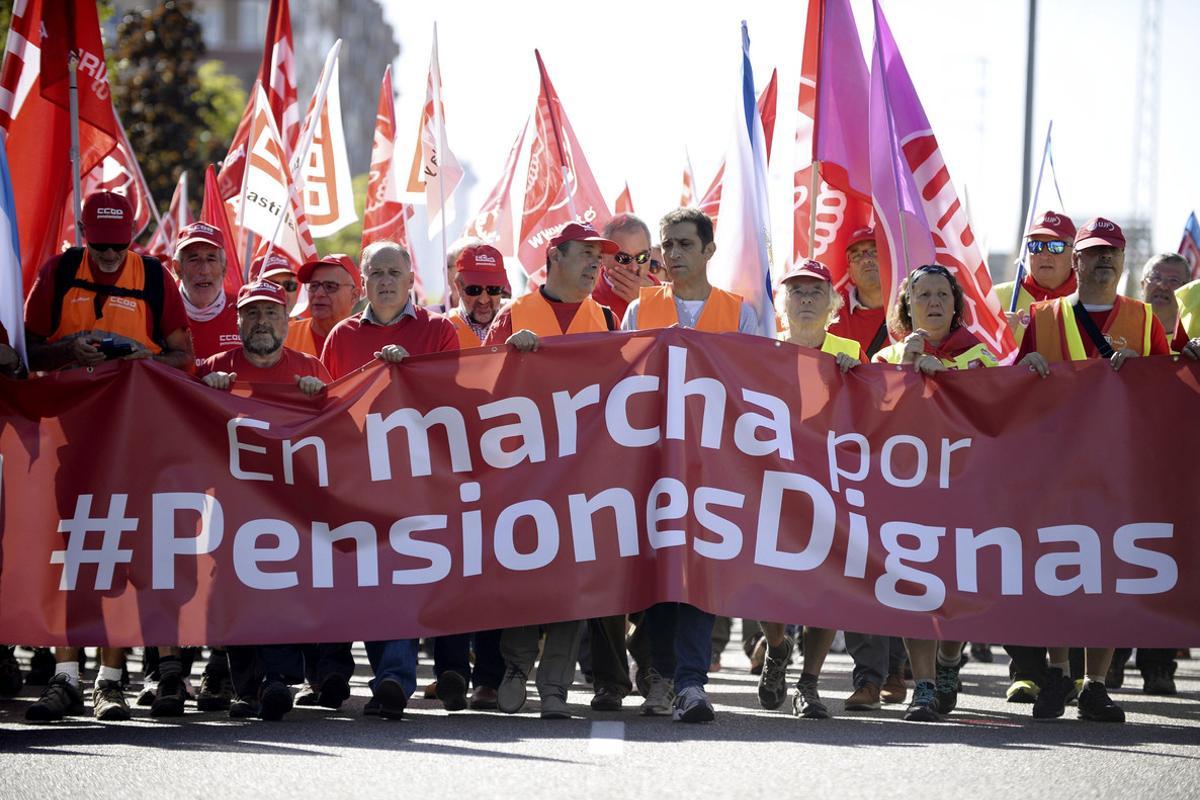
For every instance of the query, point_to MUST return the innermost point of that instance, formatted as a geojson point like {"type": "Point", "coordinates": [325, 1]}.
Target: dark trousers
{"type": "Point", "coordinates": [452, 653]}
{"type": "Point", "coordinates": [1147, 657]}
{"type": "Point", "coordinates": [1029, 663]}
{"type": "Point", "coordinates": [610, 660]}
{"type": "Point", "coordinates": [323, 660]}
{"type": "Point", "coordinates": [489, 664]}
{"type": "Point", "coordinates": [685, 632]}
{"type": "Point", "coordinates": [251, 665]}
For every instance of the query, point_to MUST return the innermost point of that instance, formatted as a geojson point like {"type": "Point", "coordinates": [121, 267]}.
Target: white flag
{"type": "Point", "coordinates": [322, 172]}
{"type": "Point", "coordinates": [435, 171]}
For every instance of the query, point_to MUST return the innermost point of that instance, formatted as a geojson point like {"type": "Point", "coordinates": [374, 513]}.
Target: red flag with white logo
{"type": "Point", "coordinates": [493, 223]}
{"type": "Point", "coordinates": [435, 172]}
{"type": "Point", "coordinates": [386, 215]}
{"type": "Point", "coordinates": [322, 172]}
{"type": "Point", "coordinates": [767, 105]}
{"type": "Point", "coordinates": [117, 172]}
{"type": "Point", "coordinates": [560, 188]}
{"type": "Point", "coordinates": [178, 216]}
{"type": "Point", "coordinates": [215, 212]}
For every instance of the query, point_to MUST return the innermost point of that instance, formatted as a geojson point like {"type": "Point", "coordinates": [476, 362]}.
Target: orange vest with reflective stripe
{"type": "Point", "coordinates": [1059, 339]}
{"type": "Point", "coordinates": [533, 312]}
{"type": "Point", "coordinates": [466, 336]}
{"type": "Point", "coordinates": [656, 309]}
{"type": "Point", "coordinates": [300, 337]}
{"type": "Point", "coordinates": [124, 316]}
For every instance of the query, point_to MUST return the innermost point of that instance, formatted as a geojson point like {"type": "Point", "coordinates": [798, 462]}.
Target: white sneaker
{"type": "Point", "coordinates": [659, 696]}
{"type": "Point", "coordinates": [691, 705]}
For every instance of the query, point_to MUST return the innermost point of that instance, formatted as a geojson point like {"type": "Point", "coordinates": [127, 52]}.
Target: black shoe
{"type": "Point", "coordinates": [42, 667]}
{"type": "Point", "coordinates": [1159, 679]}
{"type": "Point", "coordinates": [334, 691]}
{"type": "Point", "coordinates": [772, 682]}
{"type": "Point", "coordinates": [216, 690]}
{"type": "Point", "coordinates": [607, 698]}
{"type": "Point", "coordinates": [308, 695]}
{"type": "Point", "coordinates": [1115, 678]}
{"type": "Point", "coordinates": [11, 679]}
{"type": "Point", "coordinates": [371, 708]}
{"type": "Point", "coordinates": [108, 702]}
{"type": "Point", "coordinates": [452, 690]}
{"type": "Point", "coordinates": [274, 700]}
{"type": "Point", "coordinates": [169, 700]}
{"type": "Point", "coordinates": [60, 698]}
{"type": "Point", "coordinates": [924, 707]}
{"type": "Point", "coordinates": [1051, 702]}
{"type": "Point", "coordinates": [982, 653]}
{"type": "Point", "coordinates": [392, 698]}
{"type": "Point", "coordinates": [1097, 706]}
{"type": "Point", "coordinates": [946, 695]}
{"type": "Point", "coordinates": [243, 708]}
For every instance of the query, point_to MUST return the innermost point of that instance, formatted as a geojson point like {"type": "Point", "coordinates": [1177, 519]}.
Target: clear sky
{"type": "Point", "coordinates": [640, 81]}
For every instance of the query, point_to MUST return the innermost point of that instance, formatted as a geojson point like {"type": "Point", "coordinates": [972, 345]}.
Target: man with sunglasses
{"type": "Point", "coordinates": [1048, 272]}
{"type": "Point", "coordinates": [278, 270]}
{"type": "Point", "coordinates": [88, 305]}
{"type": "Point", "coordinates": [334, 286]}
{"type": "Point", "coordinates": [626, 271]}
{"type": "Point", "coordinates": [200, 266]}
{"type": "Point", "coordinates": [482, 286]}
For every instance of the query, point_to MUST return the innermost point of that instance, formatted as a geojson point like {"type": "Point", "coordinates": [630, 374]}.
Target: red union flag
{"type": "Point", "coordinates": [435, 172]}
{"type": "Point", "coordinates": [832, 100]}
{"type": "Point", "coordinates": [559, 188]}
{"type": "Point", "coordinates": [767, 105]}
{"type": "Point", "coordinates": [162, 243]}
{"type": "Point", "coordinates": [624, 204]}
{"type": "Point", "coordinates": [386, 215]}
{"type": "Point", "coordinates": [117, 172]}
{"type": "Point", "coordinates": [215, 212]}
{"type": "Point", "coordinates": [323, 172]}
{"type": "Point", "coordinates": [493, 223]}
{"type": "Point", "coordinates": [35, 119]}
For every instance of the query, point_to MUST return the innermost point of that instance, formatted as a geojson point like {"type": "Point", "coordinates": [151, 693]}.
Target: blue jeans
{"type": "Point", "coordinates": [395, 658]}
{"type": "Point", "coordinates": [689, 630]}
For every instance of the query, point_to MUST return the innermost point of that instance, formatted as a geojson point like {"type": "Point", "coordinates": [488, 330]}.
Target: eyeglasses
{"type": "Point", "coordinates": [476, 290]}
{"type": "Point", "coordinates": [863, 253]}
{"type": "Point", "coordinates": [330, 287]}
{"type": "Point", "coordinates": [624, 259]}
{"type": "Point", "coordinates": [104, 248]}
{"type": "Point", "coordinates": [288, 286]}
{"type": "Point", "coordinates": [656, 266]}
{"type": "Point", "coordinates": [1055, 246]}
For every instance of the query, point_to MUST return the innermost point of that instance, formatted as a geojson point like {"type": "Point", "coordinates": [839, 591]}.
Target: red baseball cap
{"type": "Point", "coordinates": [107, 219]}
{"type": "Point", "coordinates": [332, 260]}
{"type": "Point", "coordinates": [808, 269]}
{"type": "Point", "coordinates": [584, 233]}
{"type": "Point", "coordinates": [1097, 232]}
{"type": "Point", "coordinates": [1054, 224]}
{"type": "Point", "coordinates": [274, 264]}
{"type": "Point", "coordinates": [261, 290]}
{"type": "Point", "coordinates": [202, 233]}
{"type": "Point", "coordinates": [866, 234]}
{"type": "Point", "coordinates": [481, 265]}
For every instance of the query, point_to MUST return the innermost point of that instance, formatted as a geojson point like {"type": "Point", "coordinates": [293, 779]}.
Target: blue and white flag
{"type": "Point", "coordinates": [12, 289]}
{"type": "Point", "coordinates": [742, 261]}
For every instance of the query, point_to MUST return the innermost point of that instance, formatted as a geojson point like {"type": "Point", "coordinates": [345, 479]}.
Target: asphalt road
{"type": "Point", "coordinates": [987, 748]}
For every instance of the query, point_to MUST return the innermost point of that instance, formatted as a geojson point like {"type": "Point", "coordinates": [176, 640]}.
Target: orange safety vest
{"type": "Point", "coordinates": [466, 335]}
{"type": "Point", "coordinates": [300, 337]}
{"type": "Point", "coordinates": [124, 312]}
{"type": "Point", "coordinates": [656, 309]}
{"type": "Point", "coordinates": [1058, 337]}
{"type": "Point", "coordinates": [533, 312]}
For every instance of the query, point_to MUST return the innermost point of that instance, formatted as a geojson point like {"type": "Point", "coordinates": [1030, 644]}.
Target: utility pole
{"type": "Point", "coordinates": [1027, 161]}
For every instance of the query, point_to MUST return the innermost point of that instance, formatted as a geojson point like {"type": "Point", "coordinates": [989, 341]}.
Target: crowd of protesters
{"type": "Point", "coordinates": [105, 301]}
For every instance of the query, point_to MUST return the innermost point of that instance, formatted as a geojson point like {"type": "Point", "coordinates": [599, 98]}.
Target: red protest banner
{"type": "Point", "coordinates": [601, 474]}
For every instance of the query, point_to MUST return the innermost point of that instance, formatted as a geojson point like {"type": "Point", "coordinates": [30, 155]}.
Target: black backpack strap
{"type": "Point", "coordinates": [876, 344]}
{"type": "Point", "coordinates": [154, 291]}
{"type": "Point", "coordinates": [64, 277]}
{"type": "Point", "coordinates": [1093, 332]}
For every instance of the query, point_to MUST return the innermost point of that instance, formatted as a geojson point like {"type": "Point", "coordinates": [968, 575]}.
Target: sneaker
{"type": "Point", "coordinates": [1022, 692]}
{"type": "Point", "coordinates": [772, 683]}
{"type": "Point", "coordinates": [308, 695]}
{"type": "Point", "coordinates": [607, 698]}
{"type": "Point", "coordinates": [392, 698]}
{"type": "Point", "coordinates": [894, 690]}
{"type": "Point", "coordinates": [554, 707]}
{"type": "Point", "coordinates": [947, 688]}
{"type": "Point", "coordinates": [865, 698]}
{"type": "Point", "coordinates": [274, 701]}
{"type": "Point", "coordinates": [216, 690]}
{"type": "Point", "coordinates": [806, 701]}
{"type": "Point", "coordinates": [1051, 701]}
{"type": "Point", "coordinates": [1097, 706]}
{"type": "Point", "coordinates": [11, 679]}
{"type": "Point", "coordinates": [923, 707]}
{"type": "Point", "coordinates": [982, 653]}
{"type": "Point", "coordinates": [660, 696]}
{"type": "Point", "coordinates": [42, 667]}
{"type": "Point", "coordinates": [1115, 678]}
{"type": "Point", "coordinates": [641, 679]}
{"type": "Point", "coordinates": [333, 692]}
{"type": "Point", "coordinates": [243, 708]}
{"type": "Point", "coordinates": [451, 690]}
{"type": "Point", "coordinates": [483, 699]}
{"type": "Point", "coordinates": [510, 697]}
{"type": "Point", "coordinates": [108, 702]}
{"type": "Point", "coordinates": [60, 698]}
{"type": "Point", "coordinates": [1159, 679]}
{"type": "Point", "coordinates": [691, 705]}
{"type": "Point", "coordinates": [169, 700]}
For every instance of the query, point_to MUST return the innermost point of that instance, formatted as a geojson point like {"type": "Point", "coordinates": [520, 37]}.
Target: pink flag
{"type": "Point", "coordinates": [493, 223]}
{"type": "Point", "coordinates": [560, 188]}
{"type": "Point", "coordinates": [920, 218]}
{"type": "Point", "coordinates": [767, 104]}
{"type": "Point", "coordinates": [386, 215]}
{"type": "Point", "coordinates": [833, 99]}
{"type": "Point", "coordinates": [162, 243]}
{"type": "Point", "coordinates": [624, 204]}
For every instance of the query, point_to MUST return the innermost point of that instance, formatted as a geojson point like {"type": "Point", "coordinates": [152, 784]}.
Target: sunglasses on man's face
{"type": "Point", "coordinates": [1055, 246]}
{"type": "Point", "coordinates": [105, 248]}
{"type": "Point", "coordinates": [475, 291]}
{"type": "Point", "coordinates": [288, 286]}
{"type": "Point", "coordinates": [624, 259]}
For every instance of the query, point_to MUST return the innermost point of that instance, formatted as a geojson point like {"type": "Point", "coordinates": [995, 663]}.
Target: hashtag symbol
{"type": "Point", "coordinates": [107, 556]}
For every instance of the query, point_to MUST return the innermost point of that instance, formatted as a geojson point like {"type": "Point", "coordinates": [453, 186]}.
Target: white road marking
{"type": "Point", "coordinates": [608, 739]}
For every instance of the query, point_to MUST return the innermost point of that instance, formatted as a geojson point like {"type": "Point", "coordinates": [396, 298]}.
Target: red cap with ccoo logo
{"type": "Point", "coordinates": [481, 265]}
{"type": "Point", "coordinates": [265, 291]}
{"type": "Point", "coordinates": [200, 233]}
{"type": "Point", "coordinates": [107, 219]}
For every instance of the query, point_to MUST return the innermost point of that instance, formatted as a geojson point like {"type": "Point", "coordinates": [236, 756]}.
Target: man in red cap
{"type": "Point", "coordinates": [87, 305]}
{"type": "Point", "coordinates": [626, 271]}
{"type": "Point", "coordinates": [277, 269]}
{"type": "Point", "coordinates": [863, 317]}
{"type": "Point", "coordinates": [1048, 274]}
{"type": "Point", "coordinates": [564, 304]}
{"type": "Point", "coordinates": [334, 286]}
{"type": "Point", "coordinates": [200, 265]}
{"type": "Point", "coordinates": [481, 284]}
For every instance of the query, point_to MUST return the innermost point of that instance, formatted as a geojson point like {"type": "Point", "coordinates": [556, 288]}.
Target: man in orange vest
{"type": "Point", "coordinates": [334, 285]}
{"type": "Point", "coordinates": [564, 304]}
{"type": "Point", "coordinates": [481, 284]}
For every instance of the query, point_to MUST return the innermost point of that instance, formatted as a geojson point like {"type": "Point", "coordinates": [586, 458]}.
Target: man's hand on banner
{"type": "Point", "coordinates": [220, 380]}
{"type": "Point", "coordinates": [1119, 357]}
{"type": "Point", "coordinates": [846, 363]}
{"type": "Point", "coordinates": [391, 353]}
{"type": "Point", "coordinates": [525, 340]}
{"type": "Point", "coordinates": [1192, 349]}
{"type": "Point", "coordinates": [312, 386]}
{"type": "Point", "coordinates": [1036, 363]}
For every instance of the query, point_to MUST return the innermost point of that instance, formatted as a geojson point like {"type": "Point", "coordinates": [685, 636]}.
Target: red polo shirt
{"type": "Point", "coordinates": [355, 340]}
{"type": "Point", "coordinates": [290, 364]}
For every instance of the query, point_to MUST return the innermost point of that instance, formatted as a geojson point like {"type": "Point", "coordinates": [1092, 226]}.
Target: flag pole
{"type": "Point", "coordinates": [440, 121]}
{"type": "Point", "coordinates": [554, 124]}
{"type": "Point", "coordinates": [73, 95]}
{"type": "Point", "coordinates": [812, 208]}
{"type": "Point", "coordinates": [1029, 212]}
